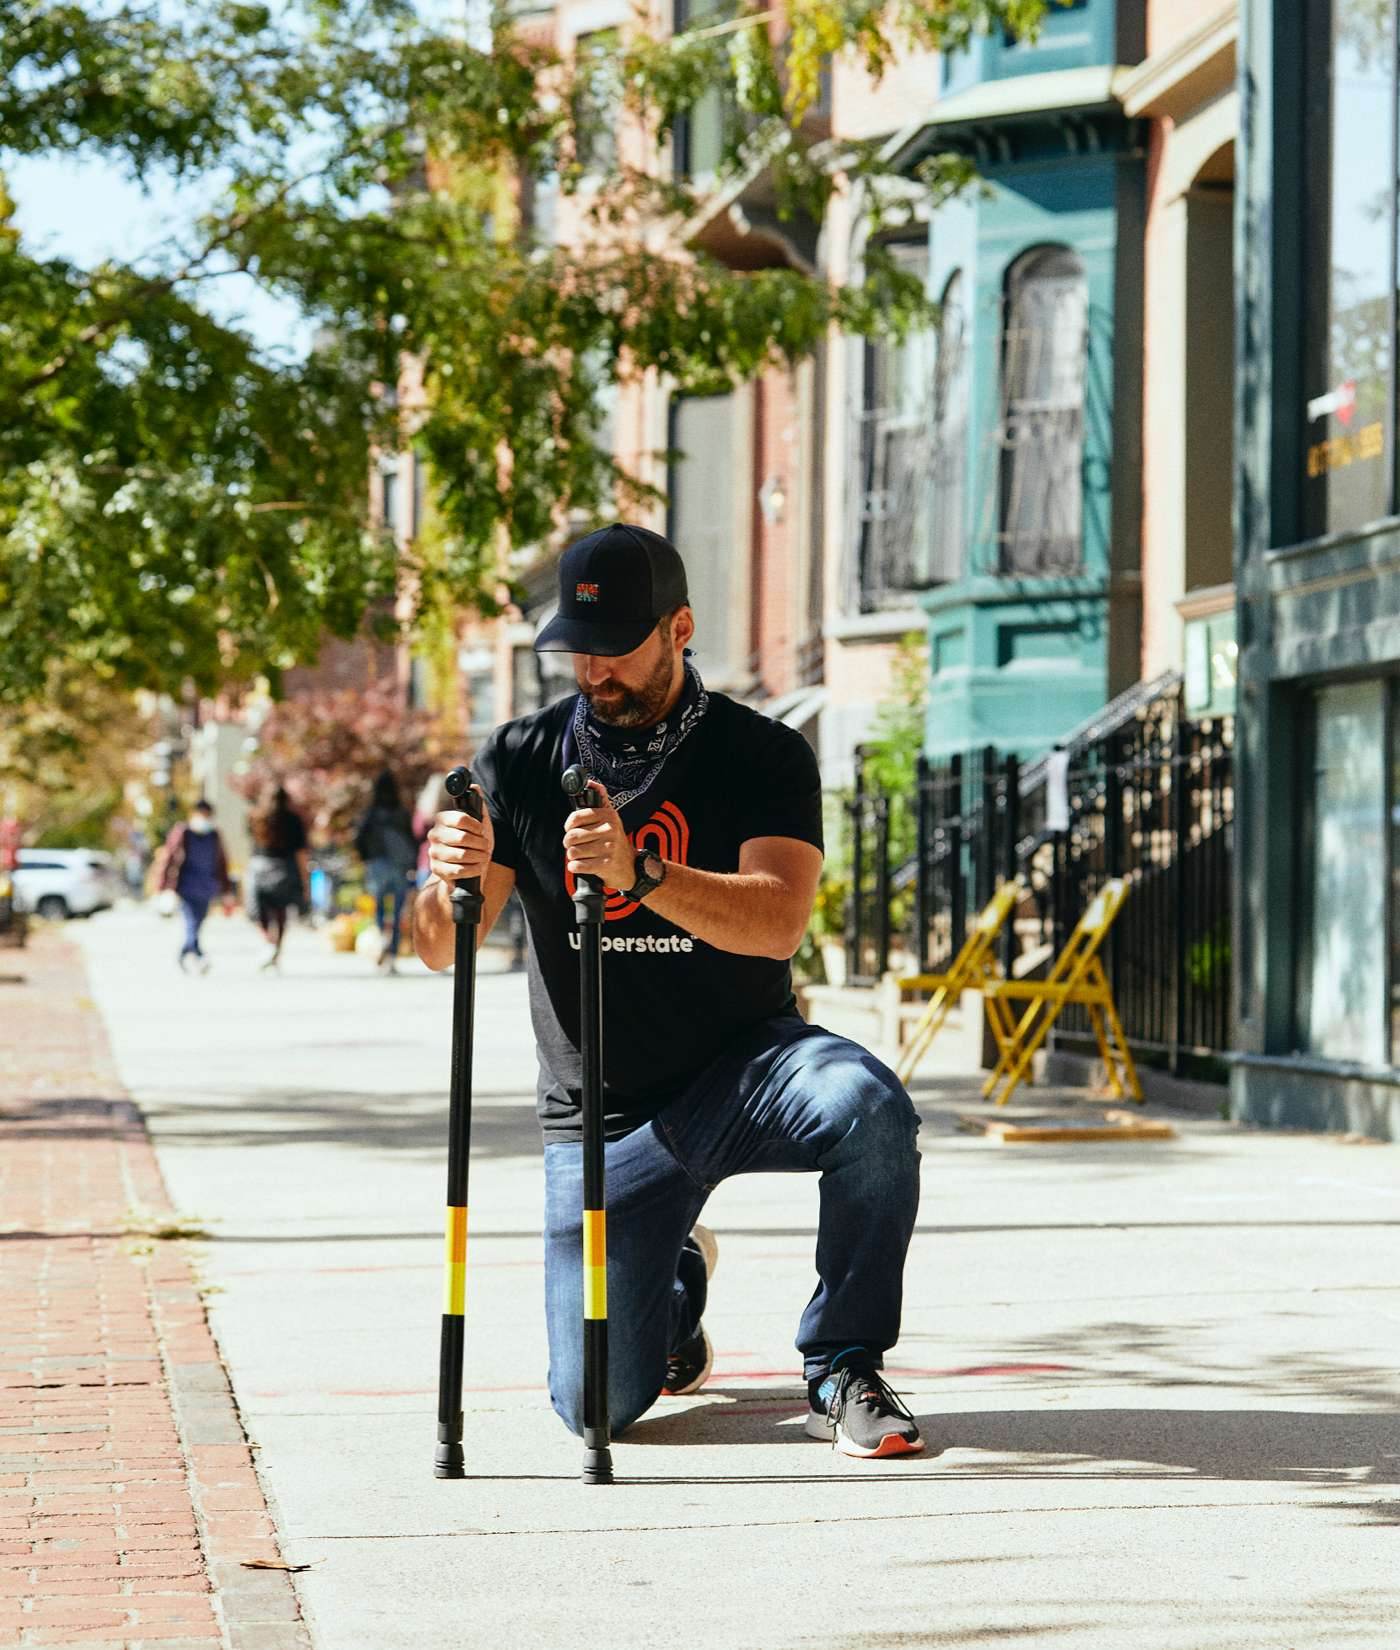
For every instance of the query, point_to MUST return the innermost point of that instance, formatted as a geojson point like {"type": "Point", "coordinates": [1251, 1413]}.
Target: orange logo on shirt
{"type": "Point", "coordinates": [666, 835]}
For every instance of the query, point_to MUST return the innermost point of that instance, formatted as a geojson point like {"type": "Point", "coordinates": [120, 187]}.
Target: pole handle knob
{"type": "Point", "coordinates": [466, 894]}
{"type": "Point", "coordinates": [580, 789]}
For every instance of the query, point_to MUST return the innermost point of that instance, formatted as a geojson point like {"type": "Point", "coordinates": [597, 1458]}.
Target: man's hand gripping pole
{"type": "Point", "coordinates": [589, 900]}
{"type": "Point", "coordinates": [448, 1461]}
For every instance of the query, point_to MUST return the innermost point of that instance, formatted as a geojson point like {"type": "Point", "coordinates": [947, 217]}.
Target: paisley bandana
{"type": "Point", "coordinates": [628, 760]}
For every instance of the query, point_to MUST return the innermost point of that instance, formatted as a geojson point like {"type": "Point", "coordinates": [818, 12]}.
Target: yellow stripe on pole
{"type": "Point", "coordinates": [595, 1264]}
{"type": "Point", "coordinates": [454, 1292]}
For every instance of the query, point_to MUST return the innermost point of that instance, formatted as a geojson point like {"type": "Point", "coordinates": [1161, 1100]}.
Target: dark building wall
{"type": "Point", "coordinates": [1316, 610]}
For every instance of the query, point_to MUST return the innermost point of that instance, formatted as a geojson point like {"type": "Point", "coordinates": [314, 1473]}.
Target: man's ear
{"type": "Point", "coordinates": [682, 627]}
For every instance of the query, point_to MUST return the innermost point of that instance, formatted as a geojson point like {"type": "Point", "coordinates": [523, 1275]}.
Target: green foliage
{"type": "Point", "coordinates": [176, 507]}
{"type": "Point", "coordinates": [892, 753]}
{"type": "Point", "coordinates": [1208, 960]}
{"type": "Point", "coordinates": [890, 766]}
{"type": "Point", "coordinates": [65, 757]}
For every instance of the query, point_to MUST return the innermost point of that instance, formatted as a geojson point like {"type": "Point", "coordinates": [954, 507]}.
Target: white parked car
{"type": "Point", "coordinates": [66, 882]}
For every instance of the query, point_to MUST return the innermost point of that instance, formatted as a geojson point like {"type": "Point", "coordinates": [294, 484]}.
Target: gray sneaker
{"type": "Point", "coordinates": [855, 1410]}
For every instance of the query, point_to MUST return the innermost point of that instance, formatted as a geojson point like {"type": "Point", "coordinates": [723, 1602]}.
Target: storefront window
{"type": "Point", "coordinates": [1351, 278]}
{"type": "Point", "coordinates": [1346, 1011]}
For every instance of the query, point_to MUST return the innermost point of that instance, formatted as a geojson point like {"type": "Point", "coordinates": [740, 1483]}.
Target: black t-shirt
{"type": "Point", "coordinates": [671, 1003]}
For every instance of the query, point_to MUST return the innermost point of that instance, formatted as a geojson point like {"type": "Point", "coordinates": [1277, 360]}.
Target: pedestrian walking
{"type": "Point", "coordinates": [276, 871]}
{"type": "Point", "coordinates": [708, 840]}
{"type": "Point", "coordinates": [194, 867]}
{"type": "Point", "coordinates": [385, 840]}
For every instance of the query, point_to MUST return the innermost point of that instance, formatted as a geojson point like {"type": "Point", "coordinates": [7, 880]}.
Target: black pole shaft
{"type": "Point", "coordinates": [448, 1460]}
{"type": "Point", "coordinates": [590, 897]}
{"type": "Point", "coordinates": [597, 1458]}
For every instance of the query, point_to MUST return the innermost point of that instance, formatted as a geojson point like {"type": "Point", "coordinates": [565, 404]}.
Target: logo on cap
{"type": "Point", "coordinates": [585, 592]}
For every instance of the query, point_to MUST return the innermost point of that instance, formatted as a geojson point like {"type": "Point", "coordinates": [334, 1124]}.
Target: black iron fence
{"type": "Point", "coordinates": [1139, 792]}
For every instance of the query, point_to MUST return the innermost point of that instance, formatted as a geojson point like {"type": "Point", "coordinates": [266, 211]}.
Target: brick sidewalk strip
{"type": "Point", "coordinates": [128, 1495]}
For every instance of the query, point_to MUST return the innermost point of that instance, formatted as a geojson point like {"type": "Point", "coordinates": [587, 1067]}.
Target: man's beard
{"type": "Point", "coordinates": [634, 708]}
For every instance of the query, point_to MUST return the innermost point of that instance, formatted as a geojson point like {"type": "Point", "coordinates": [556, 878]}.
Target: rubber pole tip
{"type": "Point", "coordinates": [597, 1466]}
{"type": "Point", "coordinates": [449, 1462]}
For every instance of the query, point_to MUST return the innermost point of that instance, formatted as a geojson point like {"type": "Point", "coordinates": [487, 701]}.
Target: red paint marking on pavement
{"type": "Point", "coordinates": [503, 1389]}
{"type": "Point", "coordinates": [413, 1392]}
{"type": "Point", "coordinates": [992, 1369]}
{"type": "Point", "coordinates": [426, 1266]}
{"type": "Point", "coordinates": [794, 1377]}
{"type": "Point", "coordinates": [425, 1392]}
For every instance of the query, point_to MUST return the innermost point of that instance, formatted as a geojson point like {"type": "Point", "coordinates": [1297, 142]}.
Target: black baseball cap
{"type": "Point", "coordinates": [613, 587]}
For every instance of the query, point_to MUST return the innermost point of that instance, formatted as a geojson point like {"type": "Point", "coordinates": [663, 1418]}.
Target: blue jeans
{"type": "Point", "coordinates": [195, 911]}
{"type": "Point", "coordinates": [386, 883]}
{"type": "Point", "coordinates": [791, 1099]}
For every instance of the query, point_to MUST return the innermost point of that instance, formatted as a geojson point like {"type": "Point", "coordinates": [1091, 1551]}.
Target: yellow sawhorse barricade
{"type": "Point", "coordinates": [973, 969]}
{"type": "Point", "coordinates": [1077, 977]}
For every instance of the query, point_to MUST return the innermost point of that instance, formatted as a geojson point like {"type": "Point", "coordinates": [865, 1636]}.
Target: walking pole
{"type": "Point", "coordinates": [466, 915]}
{"type": "Point", "coordinates": [589, 899]}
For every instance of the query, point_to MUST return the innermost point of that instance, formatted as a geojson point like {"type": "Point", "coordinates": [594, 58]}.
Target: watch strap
{"type": "Point", "coordinates": [644, 884]}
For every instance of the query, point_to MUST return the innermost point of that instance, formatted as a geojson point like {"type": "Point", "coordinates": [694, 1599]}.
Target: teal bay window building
{"type": "Point", "coordinates": [1007, 490]}
{"type": "Point", "coordinates": [1316, 949]}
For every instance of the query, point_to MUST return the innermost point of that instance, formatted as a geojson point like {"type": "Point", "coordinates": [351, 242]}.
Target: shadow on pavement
{"type": "Point", "coordinates": [1275, 1446]}
{"type": "Point", "coordinates": [1148, 1355]}
{"type": "Point", "coordinates": [1272, 1446]}
{"type": "Point", "coordinates": [412, 1123]}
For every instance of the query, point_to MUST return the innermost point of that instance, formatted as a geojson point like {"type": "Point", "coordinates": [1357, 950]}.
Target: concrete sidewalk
{"type": "Point", "coordinates": [1159, 1379]}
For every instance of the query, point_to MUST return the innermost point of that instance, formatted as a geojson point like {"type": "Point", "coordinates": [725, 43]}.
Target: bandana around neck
{"type": "Point", "coordinates": [628, 760]}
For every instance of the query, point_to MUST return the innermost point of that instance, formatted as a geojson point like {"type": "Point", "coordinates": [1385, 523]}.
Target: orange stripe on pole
{"type": "Point", "coordinates": [454, 1292]}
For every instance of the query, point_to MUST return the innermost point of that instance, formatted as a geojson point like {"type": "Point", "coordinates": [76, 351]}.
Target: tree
{"type": "Point", "coordinates": [328, 748]}
{"type": "Point", "coordinates": [66, 757]}
{"type": "Point", "coordinates": [176, 507]}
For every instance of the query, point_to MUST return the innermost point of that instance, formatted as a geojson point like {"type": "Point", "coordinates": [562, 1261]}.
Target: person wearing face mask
{"type": "Point", "coordinates": [195, 868]}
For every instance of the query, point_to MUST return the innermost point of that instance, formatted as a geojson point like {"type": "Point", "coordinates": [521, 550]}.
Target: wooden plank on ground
{"type": "Point", "coordinates": [1111, 1125]}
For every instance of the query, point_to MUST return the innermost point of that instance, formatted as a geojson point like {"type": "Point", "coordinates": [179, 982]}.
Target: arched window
{"type": "Point", "coordinates": [914, 427]}
{"type": "Point", "coordinates": [1041, 484]}
{"type": "Point", "coordinates": [949, 436]}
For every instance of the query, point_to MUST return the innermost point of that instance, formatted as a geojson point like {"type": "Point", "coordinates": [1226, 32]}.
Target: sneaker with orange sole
{"type": "Point", "coordinates": [854, 1409]}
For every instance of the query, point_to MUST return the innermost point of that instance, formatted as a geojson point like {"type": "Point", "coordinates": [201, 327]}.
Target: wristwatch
{"type": "Point", "coordinates": [646, 883]}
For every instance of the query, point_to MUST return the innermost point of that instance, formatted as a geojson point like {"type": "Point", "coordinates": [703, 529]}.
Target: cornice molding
{"type": "Point", "coordinates": [1188, 73]}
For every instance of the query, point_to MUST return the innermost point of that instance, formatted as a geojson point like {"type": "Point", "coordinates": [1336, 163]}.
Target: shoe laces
{"type": "Point", "coordinates": [862, 1383]}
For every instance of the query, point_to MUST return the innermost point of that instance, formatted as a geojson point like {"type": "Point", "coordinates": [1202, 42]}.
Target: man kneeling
{"type": "Point", "coordinates": [709, 842]}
